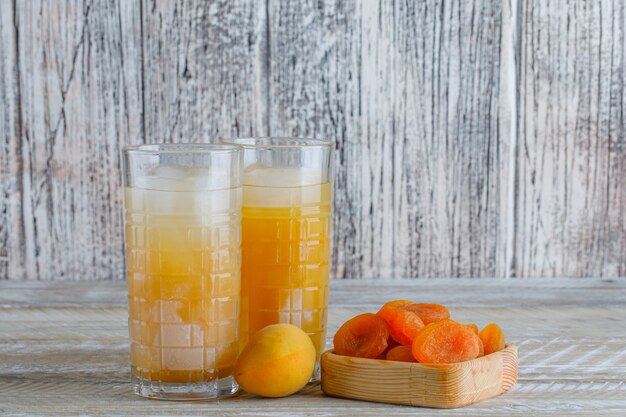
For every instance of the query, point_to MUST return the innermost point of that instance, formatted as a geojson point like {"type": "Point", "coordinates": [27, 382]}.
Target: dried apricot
{"type": "Point", "coordinates": [481, 350]}
{"type": "Point", "coordinates": [401, 354]}
{"type": "Point", "coordinates": [429, 313]}
{"type": "Point", "coordinates": [363, 336]}
{"type": "Point", "coordinates": [493, 338]}
{"type": "Point", "coordinates": [398, 303]}
{"type": "Point", "coordinates": [403, 325]}
{"type": "Point", "coordinates": [473, 327]}
{"type": "Point", "coordinates": [391, 343]}
{"type": "Point", "coordinates": [446, 341]}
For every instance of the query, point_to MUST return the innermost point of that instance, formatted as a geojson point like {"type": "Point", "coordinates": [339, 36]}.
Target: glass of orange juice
{"type": "Point", "coordinates": [286, 234]}
{"type": "Point", "coordinates": [183, 257]}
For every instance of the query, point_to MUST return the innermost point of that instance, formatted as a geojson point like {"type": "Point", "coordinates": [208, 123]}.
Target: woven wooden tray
{"type": "Point", "coordinates": [438, 386]}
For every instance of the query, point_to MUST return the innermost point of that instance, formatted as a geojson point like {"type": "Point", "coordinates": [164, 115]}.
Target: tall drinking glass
{"type": "Point", "coordinates": [183, 251]}
{"type": "Point", "coordinates": [286, 234]}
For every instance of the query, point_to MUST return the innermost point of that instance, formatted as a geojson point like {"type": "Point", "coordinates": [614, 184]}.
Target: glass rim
{"type": "Point", "coordinates": [179, 148]}
{"type": "Point", "coordinates": [256, 142]}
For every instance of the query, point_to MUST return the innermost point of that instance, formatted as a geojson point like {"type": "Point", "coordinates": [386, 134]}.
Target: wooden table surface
{"type": "Point", "coordinates": [64, 348]}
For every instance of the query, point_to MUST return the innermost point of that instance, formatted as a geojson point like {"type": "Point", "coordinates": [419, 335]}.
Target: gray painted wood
{"type": "Point", "coordinates": [204, 69]}
{"type": "Point", "coordinates": [410, 93]}
{"type": "Point", "coordinates": [481, 138]}
{"type": "Point", "coordinates": [64, 349]}
{"type": "Point", "coordinates": [11, 234]}
{"type": "Point", "coordinates": [455, 292]}
{"type": "Point", "coordinates": [80, 100]}
{"type": "Point", "coordinates": [572, 153]}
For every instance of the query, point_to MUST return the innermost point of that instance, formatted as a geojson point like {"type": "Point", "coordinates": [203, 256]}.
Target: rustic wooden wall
{"type": "Point", "coordinates": [420, 166]}
{"type": "Point", "coordinates": [571, 195]}
{"type": "Point", "coordinates": [479, 138]}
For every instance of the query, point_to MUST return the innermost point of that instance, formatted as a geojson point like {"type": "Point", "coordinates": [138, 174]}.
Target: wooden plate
{"type": "Point", "coordinates": [438, 386]}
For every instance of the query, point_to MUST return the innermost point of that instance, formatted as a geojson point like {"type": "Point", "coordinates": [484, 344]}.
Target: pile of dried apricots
{"type": "Point", "coordinates": [409, 332]}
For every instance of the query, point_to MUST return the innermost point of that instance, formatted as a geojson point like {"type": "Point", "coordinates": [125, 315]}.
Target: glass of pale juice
{"type": "Point", "coordinates": [183, 257]}
{"type": "Point", "coordinates": [286, 234]}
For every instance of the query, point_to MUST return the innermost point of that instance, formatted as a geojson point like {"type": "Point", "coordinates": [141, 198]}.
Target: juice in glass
{"type": "Point", "coordinates": [286, 234]}
{"type": "Point", "coordinates": [183, 268]}
{"type": "Point", "coordinates": [286, 250]}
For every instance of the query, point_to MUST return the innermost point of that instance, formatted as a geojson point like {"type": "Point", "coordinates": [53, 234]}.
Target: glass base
{"type": "Point", "coordinates": [186, 391]}
{"type": "Point", "coordinates": [316, 372]}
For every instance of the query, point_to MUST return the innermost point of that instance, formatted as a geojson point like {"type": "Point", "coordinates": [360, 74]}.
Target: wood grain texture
{"type": "Point", "coordinates": [10, 143]}
{"type": "Point", "coordinates": [436, 386]}
{"type": "Point", "coordinates": [481, 138]}
{"type": "Point", "coordinates": [572, 152]}
{"type": "Point", "coordinates": [79, 84]}
{"type": "Point", "coordinates": [410, 92]}
{"type": "Point", "coordinates": [71, 357]}
{"type": "Point", "coordinates": [457, 292]}
{"type": "Point", "coordinates": [204, 70]}
{"type": "Point", "coordinates": [103, 397]}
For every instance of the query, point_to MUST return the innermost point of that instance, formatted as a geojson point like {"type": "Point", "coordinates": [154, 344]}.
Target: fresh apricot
{"type": "Point", "coordinates": [401, 354]}
{"type": "Point", "coordinates": [446, 341]}
{"type": "Point", "coordinates": [277, 361]}
{"type": "Point", "coordinates": [492, 338]}
{"type": "Point", "coordinates": [403, 325]}
{"type": "Point", "coordinates": [429, 313]}
{"type": "Point", "coordinates": [363, 336]}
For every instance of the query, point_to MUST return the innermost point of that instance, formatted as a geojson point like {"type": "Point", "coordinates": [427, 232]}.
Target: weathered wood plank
{"type": "Point", "coordinates": [75, 360]}
{"type": "Point", "coordinates": [102, 398]}
{"type": "Point", "coordinates": [80, 100]}
{"type": "Point", "coordinates": [410, 92]}
{"type": "Point", "coordinates": [10, 148]}
{"type": "Point", "coordinates": [204, 70]}
{"type": "Point", "coordinates": [483, 292]}
{"type": "Point", "coordinates": [572, 155]}
{"type": "Point", "coordinates": [365, 293]}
